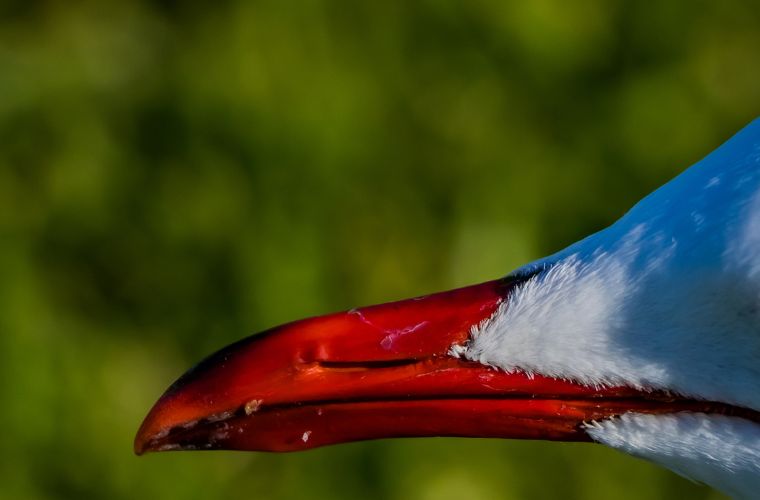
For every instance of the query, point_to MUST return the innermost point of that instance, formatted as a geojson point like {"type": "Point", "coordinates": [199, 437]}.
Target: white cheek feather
{"type": "Point", "coordinates": [612, 321]}
{"type": "Point", "coordinates": [718, 450]}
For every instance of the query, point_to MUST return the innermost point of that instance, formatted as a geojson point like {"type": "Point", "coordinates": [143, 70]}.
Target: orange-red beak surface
{"type": "Point", "coordinates": [375, 372]}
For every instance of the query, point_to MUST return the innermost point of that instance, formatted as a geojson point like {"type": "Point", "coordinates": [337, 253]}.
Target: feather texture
{"type": "Point", "coordinates": [666, 298]}
{"type": "Point", "coordinates": [721, 451]}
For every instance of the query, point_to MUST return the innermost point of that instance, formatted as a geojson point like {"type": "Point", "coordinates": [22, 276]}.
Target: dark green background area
{"type": "Point", "coordinates": [175, 176]}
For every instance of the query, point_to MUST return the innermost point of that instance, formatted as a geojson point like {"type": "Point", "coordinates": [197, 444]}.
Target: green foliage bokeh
{"type": "Point", "coordinates": [177, 175]}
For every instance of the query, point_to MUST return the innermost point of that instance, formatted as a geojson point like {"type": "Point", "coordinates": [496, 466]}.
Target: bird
{"type": "Point", "coordinates": [644, 337]}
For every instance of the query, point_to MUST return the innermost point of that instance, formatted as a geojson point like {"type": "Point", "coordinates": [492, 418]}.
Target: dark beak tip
{"type": "Point", "coordinates": [141, 444]}
{"type": "Point", "coordinates": [147, 439]}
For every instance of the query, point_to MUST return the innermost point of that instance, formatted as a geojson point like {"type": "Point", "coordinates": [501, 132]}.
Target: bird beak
{"type": "Point", "coordinates": [381, 371]}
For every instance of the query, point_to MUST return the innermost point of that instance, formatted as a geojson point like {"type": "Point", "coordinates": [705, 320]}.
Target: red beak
{"type": "Point", "coordinates": [375, 372]}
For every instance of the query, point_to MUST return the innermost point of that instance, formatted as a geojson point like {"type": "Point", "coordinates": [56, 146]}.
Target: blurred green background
{"type": "Point", "coordinates": [177, 175]}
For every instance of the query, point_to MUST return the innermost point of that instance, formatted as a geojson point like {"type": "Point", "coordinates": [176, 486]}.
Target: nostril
{"type": "Point", "coordinates": [368, 365]}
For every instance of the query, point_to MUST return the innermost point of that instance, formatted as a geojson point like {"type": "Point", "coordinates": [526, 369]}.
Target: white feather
{"type": "Point", "coordinates": [666, 298]}
{"type": "Point", "coordinates": [722, 451]}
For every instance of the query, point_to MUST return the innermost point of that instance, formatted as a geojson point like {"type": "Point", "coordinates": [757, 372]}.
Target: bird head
{"type": "Point", "coordinates": [644, 337]}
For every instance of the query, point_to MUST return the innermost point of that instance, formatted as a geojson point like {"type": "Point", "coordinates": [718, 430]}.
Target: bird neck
{"type": "Point", "coordinates": [721, 451]}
